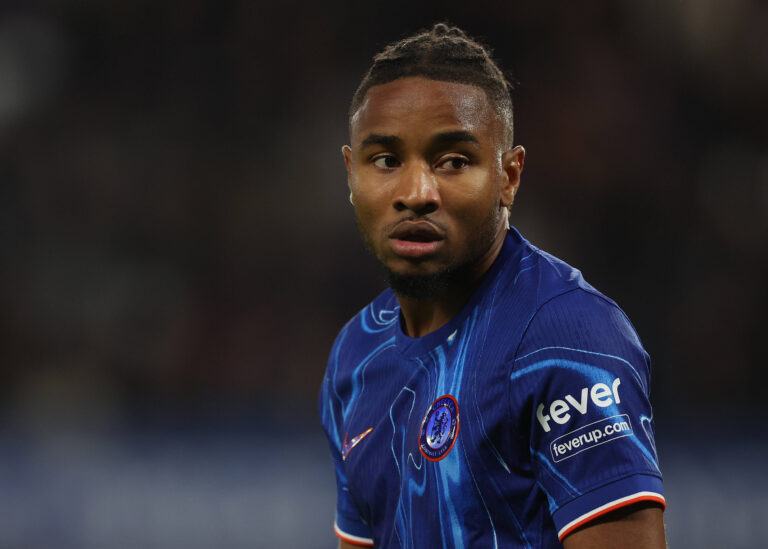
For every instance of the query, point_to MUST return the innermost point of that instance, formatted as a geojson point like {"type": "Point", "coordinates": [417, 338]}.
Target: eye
{"type": "Point", "coordinates": [386, 162]}
{"type": "Point", "coordinates": [454, 163]}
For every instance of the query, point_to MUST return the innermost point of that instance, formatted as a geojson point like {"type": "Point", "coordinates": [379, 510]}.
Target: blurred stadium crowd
{"type": "Point", "coordinates": [177, 248]}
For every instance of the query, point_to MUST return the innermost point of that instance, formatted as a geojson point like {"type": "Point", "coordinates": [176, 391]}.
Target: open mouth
{"type": "Point", "coordinates": [415, 239]}
{"type": "Point", "coordinates": [420, 231]}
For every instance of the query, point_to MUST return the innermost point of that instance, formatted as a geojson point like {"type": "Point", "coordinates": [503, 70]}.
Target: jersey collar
{"type": "Point", "coordinates": [418, 346]}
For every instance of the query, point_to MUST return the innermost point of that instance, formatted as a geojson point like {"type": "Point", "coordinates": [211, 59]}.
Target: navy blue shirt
{"type": "Point", "coordinates": [524, 417]}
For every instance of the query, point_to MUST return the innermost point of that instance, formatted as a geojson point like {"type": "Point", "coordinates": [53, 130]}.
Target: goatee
{"type": "Point", "coordinates": [431, 285]}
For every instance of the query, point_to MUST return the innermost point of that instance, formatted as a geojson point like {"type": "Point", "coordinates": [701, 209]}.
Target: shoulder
{"type": "Point", "coordinates": [537, 295]}
{"type": "Point", "coordinates": [557, 303]}
{"type": "Point", "coordinates": [568, 321]}
{"type": "Point", "coordinates": [549, 278]}
{"type": "Point", "coordinates": [371, 327]}
{"type": "Point", "coordinates": [530, 277]}
{"type": "Point", "coordinates": [356, 343]}
{"type": "Point", "coordinates": [580, 338]}
{"type": "Point", "coordinates": [581, 318]}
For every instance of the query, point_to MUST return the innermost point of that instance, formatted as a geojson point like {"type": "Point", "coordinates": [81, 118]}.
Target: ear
{"type": "Point", "coordinates": [346, 152]}
{"type": "Point", "coordinates": [512, 163]}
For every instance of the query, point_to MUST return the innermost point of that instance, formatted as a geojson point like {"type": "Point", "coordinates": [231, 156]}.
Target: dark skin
{"type": "Point", "coordinates": [431, 175]}
{"type": "Point", "coordinates": [632, 527]}
{"type": "Point", "coordinates": [431, 153]}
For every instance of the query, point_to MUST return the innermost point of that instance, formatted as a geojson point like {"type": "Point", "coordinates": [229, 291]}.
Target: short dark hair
{"type": "Point", "coordinates": [446, 54]}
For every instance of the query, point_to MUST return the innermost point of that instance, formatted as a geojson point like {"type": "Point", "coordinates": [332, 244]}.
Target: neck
{"type": "Point", "coordinates": [422, 316]}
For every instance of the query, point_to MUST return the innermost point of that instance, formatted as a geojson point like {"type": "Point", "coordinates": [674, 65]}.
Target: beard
{"type": "Point", "coordinates": [429, 285]}
{"type": "Point", "coordinates": [460, 273]}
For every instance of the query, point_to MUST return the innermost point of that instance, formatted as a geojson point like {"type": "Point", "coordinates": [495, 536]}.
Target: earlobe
{"type": "Point", "coordinates": [508, 197]}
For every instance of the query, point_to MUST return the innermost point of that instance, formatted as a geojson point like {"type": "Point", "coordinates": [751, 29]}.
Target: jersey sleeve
{"type": "Point", "coordinates": [348, 525]}
{"type": "Point", "coordinates": [580, 382]}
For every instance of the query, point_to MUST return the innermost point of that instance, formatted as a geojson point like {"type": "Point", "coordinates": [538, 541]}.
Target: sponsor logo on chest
{"type": "Point", "coordinates": [600, 395]}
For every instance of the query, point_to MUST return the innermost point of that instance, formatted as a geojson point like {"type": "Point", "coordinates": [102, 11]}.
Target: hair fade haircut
{"type": "Point", "coordinates": [446, 54]}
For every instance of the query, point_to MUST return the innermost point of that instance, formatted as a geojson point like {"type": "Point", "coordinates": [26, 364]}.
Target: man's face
{"type": "Point", "coordinates": [429, 176]}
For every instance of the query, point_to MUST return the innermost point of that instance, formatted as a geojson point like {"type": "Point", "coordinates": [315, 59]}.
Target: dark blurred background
{"type": "Point", "coordinates": [178, 252]}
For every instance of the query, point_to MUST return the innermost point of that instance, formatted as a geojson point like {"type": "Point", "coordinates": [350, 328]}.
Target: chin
{"type": "Point", "coordinates": [419, 286]}
{"type": "Point", "coordinates": [423, 267]}
{"type": "Point", "coordinates": [428, 281]}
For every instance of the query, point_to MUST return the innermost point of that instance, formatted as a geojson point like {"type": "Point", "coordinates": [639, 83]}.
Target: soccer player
{"type": "Point", "coordinates": [491, 398]}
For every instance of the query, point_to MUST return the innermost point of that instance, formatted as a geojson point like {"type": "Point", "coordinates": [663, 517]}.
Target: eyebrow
{"type": "Point", "coordinates": [458, 136]}
{"type": "Point", "coordinates": [377, 139]}
{"type": "Point", "coordinates": [445, 138]}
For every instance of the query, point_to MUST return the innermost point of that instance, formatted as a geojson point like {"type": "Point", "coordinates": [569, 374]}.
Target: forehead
{"type": "Point", "coordinates": [416, 104]}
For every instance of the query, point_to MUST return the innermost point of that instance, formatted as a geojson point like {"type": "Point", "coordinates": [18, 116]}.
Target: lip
{"type": "Point", "coordinates": [415, 239]}
{"type": "Point", "coordinates": [413, 249]}
{"type": "Point", "coordinates": [420, 231]}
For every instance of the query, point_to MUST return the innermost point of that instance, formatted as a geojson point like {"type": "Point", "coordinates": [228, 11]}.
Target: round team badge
{"type": "Point", "coordinates": [439, 428]}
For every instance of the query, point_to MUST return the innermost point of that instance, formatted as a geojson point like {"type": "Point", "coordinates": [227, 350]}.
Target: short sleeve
{"type": "Point", "coordinates": [348, 525]}
{"type": "Point", "coordinates": [580, 381]}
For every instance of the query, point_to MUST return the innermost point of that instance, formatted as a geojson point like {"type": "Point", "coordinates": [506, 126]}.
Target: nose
{"type": "Point", "coordinates": [417, 190]}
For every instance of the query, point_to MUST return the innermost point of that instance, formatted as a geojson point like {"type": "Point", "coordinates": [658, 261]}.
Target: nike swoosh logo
{"type": "Point", "coordinates": [346, 448]}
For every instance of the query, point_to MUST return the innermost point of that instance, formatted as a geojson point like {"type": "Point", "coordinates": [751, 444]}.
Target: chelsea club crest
{"type": "Point", "coordinates": [439, 428]}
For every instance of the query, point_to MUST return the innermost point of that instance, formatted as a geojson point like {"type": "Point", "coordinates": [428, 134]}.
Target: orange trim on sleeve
{"type": "Point", "coordinates": [600, 511]}
{"type": "Point", "coordinates": [349, 538]}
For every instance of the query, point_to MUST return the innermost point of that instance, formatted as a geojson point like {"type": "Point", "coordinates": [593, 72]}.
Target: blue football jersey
{"type": "Point", "coordinates": [523, 418]}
